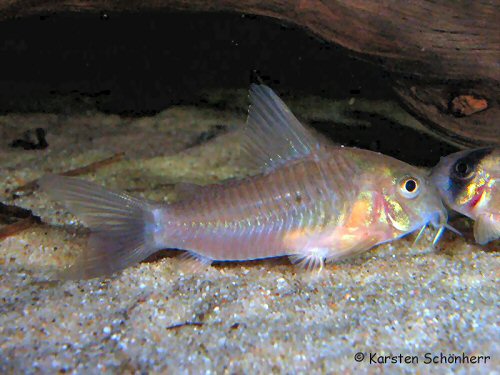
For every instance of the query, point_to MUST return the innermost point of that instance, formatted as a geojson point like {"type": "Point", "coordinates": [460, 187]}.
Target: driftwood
{"type": "Point", "coordinates": [443, 55]}
{"type": "Point", "coordinates": [30, 187]}
{"type": "Point", "coordinates": [16, 219]}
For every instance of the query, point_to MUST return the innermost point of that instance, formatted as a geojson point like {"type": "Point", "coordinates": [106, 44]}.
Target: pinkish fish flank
{"type": "Point", "coordinates": [312, 202]}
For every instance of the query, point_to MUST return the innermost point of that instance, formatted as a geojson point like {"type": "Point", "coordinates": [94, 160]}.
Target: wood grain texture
{"type": "Point", "coordinates": [435, 103]}
{"type": "Point", "coordinates": [436, 45]}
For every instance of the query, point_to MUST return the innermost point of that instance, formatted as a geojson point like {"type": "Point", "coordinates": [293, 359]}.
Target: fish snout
{"type": "Point", "coordinates": [439, 218]}
{"type": "Point", "coordinates": [438, 177]}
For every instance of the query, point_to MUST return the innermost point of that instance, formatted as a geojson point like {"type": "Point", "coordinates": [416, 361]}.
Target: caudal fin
{"type": "Point", "coordinates": [122, 227]}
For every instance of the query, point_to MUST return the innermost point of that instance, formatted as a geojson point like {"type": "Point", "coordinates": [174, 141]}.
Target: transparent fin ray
{"type": "Point", "coordinates": [308, 262]}
{"type": "Point", "coordinates": [487, 228]}
{"type": "Point", "coordinates": [122, 227]}
{"type": "Point", "coordinates": [359, 247]}
{"type": "Point", "coordinates": [191, 262]}
{"type": "Point", "coordinates": [273, 135]}
{"type": "Point", "coordinates": [314, 258]}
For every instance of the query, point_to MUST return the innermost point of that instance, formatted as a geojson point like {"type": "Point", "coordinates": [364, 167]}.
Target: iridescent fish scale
{"type": "Point", "coordinates": [310, 201]}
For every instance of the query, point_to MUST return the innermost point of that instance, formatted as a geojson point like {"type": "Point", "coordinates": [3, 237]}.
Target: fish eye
{"type": "Point", "coordinates": [409, 187]}
{"type": "Point", "coordinates": [462, 169]}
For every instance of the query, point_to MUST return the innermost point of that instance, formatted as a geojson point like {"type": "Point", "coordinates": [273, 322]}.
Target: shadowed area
{"type": "Point", "coordinates": [141, 103]}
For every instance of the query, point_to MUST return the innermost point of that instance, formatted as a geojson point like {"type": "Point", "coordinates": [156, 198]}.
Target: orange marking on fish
{"type": "Point", "coordinates": [359, 214]}
{"type": "Point", "coordinates": [292, 238]}
{"type": "Point", "coordinates": [478, 197]}
{"type": "Point", "coordinates": [338, 209]}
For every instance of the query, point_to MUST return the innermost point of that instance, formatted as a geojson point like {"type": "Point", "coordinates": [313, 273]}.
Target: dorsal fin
{"type": "Point", "coordinates": [273, 135]}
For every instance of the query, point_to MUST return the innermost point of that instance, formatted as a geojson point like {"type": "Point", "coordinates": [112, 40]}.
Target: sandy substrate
{"type": "Point", "coordinates": [232, 318]}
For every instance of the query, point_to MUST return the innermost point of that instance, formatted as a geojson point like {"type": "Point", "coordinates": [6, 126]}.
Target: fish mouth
{"type": "Point", "coordinates": [440, 222]}
{"type": "Point", "coordinates": [439, 219]}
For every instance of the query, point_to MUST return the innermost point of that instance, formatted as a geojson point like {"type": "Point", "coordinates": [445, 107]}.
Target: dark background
{"type": "Point", "coordinates": [138, 64]}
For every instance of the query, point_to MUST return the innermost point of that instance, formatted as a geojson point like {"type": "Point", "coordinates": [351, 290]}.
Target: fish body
{"type": "Point", "coordinates": [342, 202]}
{"type": "Point", "coordinates": [469, 183]}
{"type": "Point", "coordinates": [311, 201]}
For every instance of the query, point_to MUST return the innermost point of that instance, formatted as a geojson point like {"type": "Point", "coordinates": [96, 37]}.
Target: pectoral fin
{"type": "Point", "coordinates": [342, 253]}
{"type": "Point", "coordinates": [487, 228]}
{"type": "Point", "coordinates": [314, 256]}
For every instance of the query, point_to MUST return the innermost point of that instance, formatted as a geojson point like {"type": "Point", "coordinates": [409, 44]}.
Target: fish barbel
{"type": "Point", "coordinates": [469, 182]}
{"type": "Point", "coordinates": [312, 202]}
